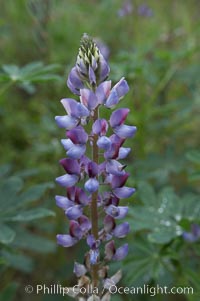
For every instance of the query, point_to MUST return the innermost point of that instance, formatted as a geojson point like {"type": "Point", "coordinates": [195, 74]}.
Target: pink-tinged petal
{"type": "Point", "coordinates": [115, 168]}
{"type": "Point", "coordinates": [84, 223]}
{"type": "Point", "coordinates": [92, 169]}
{"type": "Point", "coordinates": [77, 135]}
{"type": "Point", "coordinates": [91, 185]}
{"type": "Point", "coordinates": [112, 99]}
{"type": "Point", "coordinates": [109, 223]}
{"type": "Point", "coordinates": [69, 104]}
{"type": "Point", "coordinates": [79, 269]}
{"type": "Point", "coordinates": [67, 180]}
{"type": "Point", "coordinates": [118, 141]}
{"type": "Point", "coordinates": [119, 181]}
{"type": "Point", "coordinates": [92, 76]}
{"type": "Point", "coordinates": [121, 253]}
{"type": "Point", "coordinates": [125, 131]}
{"type": "Point", "coordinates": [100, 127]}
{"type": "Point", "coordinates": [104, 68]}
{"type": "Point", "coordinates": [76, 151]}
{"type": "Point", "coordinates": [112, 152]}
{"type": "Point", "coordinates": [104, 142]}
{"type": "Point", "coordinates": [74, 212]}
{"type": "Point", "coordinates": [123, 152]}
{"type": "Point", "coordinates": [74, 81]}
{"type": "Point", "coordinates": [71, 166]}
{"type": "Point", "coordinates": [63, 202]}
{"type": "Point", "coordinates": [88, 99]}
{"type": "Point", "coordinates": [121, 87]}
{"type": "Point", "coordinates": [118, 117]}
{"type": "Point", "coordinates": [75, 229]}
{"type": "Point", "coordinates": [67, 143]}
{"type": "Point", "coordinates": [103, 91]}
{"type": "Point", "coordinates": [66, 240]}
{"type": "Point", "coordinates": [121, 230]}
{"type": "Point", "coordinates": [66, 122]}
{"type": "Point", "coordinates": [123, 192]}
{"type": "Point", "coordinates": [117, 212]}
{"type": "Point", "coordinates": [109, 250]}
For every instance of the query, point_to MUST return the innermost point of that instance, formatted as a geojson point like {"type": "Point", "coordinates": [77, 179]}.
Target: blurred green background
{"type": "Point", "coordinates": [155, 45]}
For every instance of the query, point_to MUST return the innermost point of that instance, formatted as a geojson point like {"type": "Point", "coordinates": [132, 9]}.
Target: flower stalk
{"type": "Point", "coordinates": [87, 176]}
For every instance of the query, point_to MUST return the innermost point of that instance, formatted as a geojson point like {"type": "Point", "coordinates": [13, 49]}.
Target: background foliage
{"type": "Point", "coordinates": [158, 53]}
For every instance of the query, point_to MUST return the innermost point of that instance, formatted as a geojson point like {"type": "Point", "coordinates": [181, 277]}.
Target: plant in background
{"type": "Point", "coordinates": [94, 186]}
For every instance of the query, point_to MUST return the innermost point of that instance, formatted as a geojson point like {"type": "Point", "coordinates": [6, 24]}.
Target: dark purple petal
{"type": "Point", "coordinates": [121, 252]}
{"type": "Point", "coordinates": [66, 240]}
{"type": "Point", "coordinates": [119, 180]}
{"type": "Point", "coordinates": [117, 212]}
{"type": "Point", "coordinates": [100, 127]}
{"type": "Point", "coordinates": [81, 197]}
{"type": "Point", "coordinates": [75, 229]}
{"type": "Point", "coordinates": [66, 122]}
{"type": "Point", "coordinates": [67, 180]}
{"type": "Point", "coordinates": [125, 131]}
{"type": "Point", "coordinates": [115, 168]}
{"type": "Point", "coordinates": [121, 87]}
{"type": "Point", "coordinates": [92, 169]}
{"type": "Point", "coordinates": [118, 117]}
{"type": "Point", "coordinates": [71, 166]}
{"type": "Point", "coordinates": [88, 99]}
{"type": "Point", "coordinates": [63, 202]}
{"type": "Point", "coordinates": [190, 237]}
{"type": "Point", "coordinates": [123, 192]}
{"type": "Point", "coordinates": [109, 250]}
{"type": "Point", "coordinates": [123, 152]}
{"type": "Point", "coordinates": [77, 135]}
{"type": "Point", "coordinates": [104, 68]}
{"type": "Point", "coordinates": [121, 230]}
{"type": "Point", "coordinates": [112, 99]}
{"type": "Point", "coordinates": [104, 143]}
{"type": "Point", "coordinates": [103, 91]}
{"type": "Point", "coordinates": [74, 212]}
{"type": "Point", "coordinates": [91, 185]}
{"type": "Point", "coordinates": [109, 223]}
{"type": "Point", "coordinates": [84, 223]}
{"type": "Point", "coordinates": [76, 151]}
{"type": "Point", "coordinates": [79, 269]}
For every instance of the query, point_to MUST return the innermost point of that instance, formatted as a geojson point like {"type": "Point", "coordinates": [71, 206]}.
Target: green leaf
{"type": "Point", "coordinates": [29, 241]}
{"type": "Point", "coordinates": [194, 156]}
{"type": "Point", "coordinates": [7, 235]}
{"type": "Point", "coordinates": [30, 215]}
{"type": "Point", "coordinates": [33, 193]}
{"type": "Point", "coordinates": [18, 261]}
{"type": "Point", "coordinates": [8, 190]}
{"type": "Point", "coordinates": [9, 292]}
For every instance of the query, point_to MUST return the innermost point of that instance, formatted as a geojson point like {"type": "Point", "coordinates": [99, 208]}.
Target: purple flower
{"type": "Point", "coordinates": [145, 11]}
{"type": "Point", "coordinates": [94, 148]}
{"type": "Point", "coordinates": [126, 9]}
{"type": "Point", "coordinates": [193, 235]}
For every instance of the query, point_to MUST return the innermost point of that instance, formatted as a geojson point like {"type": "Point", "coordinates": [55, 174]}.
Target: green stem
{"type": "Point", "coordinates": [94, 209]}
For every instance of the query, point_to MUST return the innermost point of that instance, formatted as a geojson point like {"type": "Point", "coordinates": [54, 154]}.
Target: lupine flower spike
{"type": "Point", "coordinates": [94, 184]}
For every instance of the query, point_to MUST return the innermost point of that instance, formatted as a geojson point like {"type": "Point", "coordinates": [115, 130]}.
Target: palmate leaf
{"type": "Point", "coordinates": [18, 261]}
{"type": "Point", "coordinates": [161, 215]}
{"type": "Point", "coordinates": [29, 215]}
{"type": "Point", "coordinates": [7, 235]}
{"type": "Point", "coordinates": [28, 241]}
{"type": "Point", "coordinates": [146, 262]}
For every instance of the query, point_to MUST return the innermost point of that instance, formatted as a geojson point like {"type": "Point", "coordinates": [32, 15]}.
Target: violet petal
{"type": "Point", "coordinates": [118, 117]}
{"type": "Point", "coordinates": [121, 252]}
{"type": "Point", "coordinates": [66, 240]}
{"type": "Point", "coordinates": [67, 180]}
{"type": "Point", "coordinates": [123, 192]}
{"type": "Point", "coordinates": [74, 212]}
{"type": "Point", "coordinates": [121, 230]}
{"type": "Point", "coordinates": [125, 131]}
{"type": "Point", "coordinates": [91, 185]}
